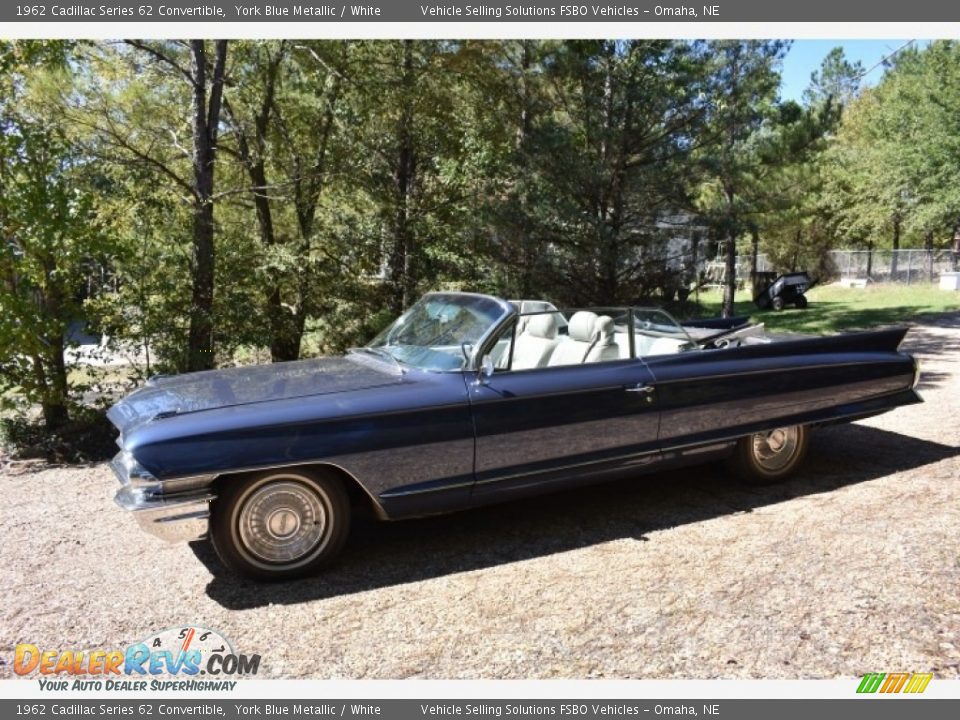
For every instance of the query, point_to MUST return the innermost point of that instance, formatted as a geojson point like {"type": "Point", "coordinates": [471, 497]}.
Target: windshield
{"type": "Point", "coordinates": [655, 321]}
{"type": "Point", "coordinates": [657, 333]}
{"type": "Point", "coordinates": [439, 331]}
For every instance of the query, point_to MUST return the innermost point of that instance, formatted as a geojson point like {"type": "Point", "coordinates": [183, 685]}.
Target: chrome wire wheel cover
{"type": "Point", "coordinates": [776, 449]}
{"type": "Point", "coordinates": [283, 522]}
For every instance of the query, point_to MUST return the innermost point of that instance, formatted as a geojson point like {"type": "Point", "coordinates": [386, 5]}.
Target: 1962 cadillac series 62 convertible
{"type": "Point", "coordinates": [469, 399]}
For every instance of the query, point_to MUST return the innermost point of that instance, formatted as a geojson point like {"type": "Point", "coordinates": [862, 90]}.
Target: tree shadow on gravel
{"type": "Point", "coordinates": [931, 344]}
{"type": "Point", "coordinates": [385, 554]}
{"type": "Point", "coordinates": [932, 347]}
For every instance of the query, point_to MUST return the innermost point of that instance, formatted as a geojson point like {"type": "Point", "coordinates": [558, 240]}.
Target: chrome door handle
{"type": "Point", "coordinates": [641, 388]}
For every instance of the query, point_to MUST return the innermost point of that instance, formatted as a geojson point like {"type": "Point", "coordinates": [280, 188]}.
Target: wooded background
{"type": "Point", "coordinates": [191, 197]}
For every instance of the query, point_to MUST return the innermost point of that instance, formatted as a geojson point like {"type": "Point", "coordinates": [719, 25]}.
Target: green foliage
{"type": "Point", "coordinates": [837, 81]}
{"type": "Point", "coordinates": [351, 176]}
{"type": "Point", "coordinates": [612, 160]}
{"type": "Point", "coordinates": [87, 437]}
{"type": "Point", "coordinates": [891, 173]}
{"type": "Point", "coordinates": [743, 142]}
{"type": "Point", "coordinates": [50, 236]}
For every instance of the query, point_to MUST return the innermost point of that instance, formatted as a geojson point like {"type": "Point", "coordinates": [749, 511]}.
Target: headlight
{"type": "Point", "coordinates": [131, 472]}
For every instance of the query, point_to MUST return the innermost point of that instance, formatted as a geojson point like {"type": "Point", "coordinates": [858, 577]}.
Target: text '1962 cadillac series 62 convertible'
{"type": "Point", "coordinates": [468, 399]}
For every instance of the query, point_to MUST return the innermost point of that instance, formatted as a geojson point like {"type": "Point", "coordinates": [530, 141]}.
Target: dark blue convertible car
{"type": "Point", "coordinates": [469, 399]}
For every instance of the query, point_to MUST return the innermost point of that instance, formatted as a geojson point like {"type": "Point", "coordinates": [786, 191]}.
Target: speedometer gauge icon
{"type": "Point", "coordinates": [195, 641]}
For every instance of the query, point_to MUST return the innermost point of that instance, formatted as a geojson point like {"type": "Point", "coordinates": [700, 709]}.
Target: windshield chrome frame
{"type": "Point", "coordinates": [483, 345]}
{"type": "Point", "coordinates": [476, 357]}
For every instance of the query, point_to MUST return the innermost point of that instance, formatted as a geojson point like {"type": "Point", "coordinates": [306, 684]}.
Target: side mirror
{"type": "Point", "coordinates": [486, 370]}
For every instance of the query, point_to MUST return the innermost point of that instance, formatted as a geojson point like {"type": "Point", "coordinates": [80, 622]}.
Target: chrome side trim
{"type": "Point", "coordinates": [806, 418]}
{"type": "Point", "coordinates": [173, 520]}
{"type": "Point", "coordinates": [652, 364]}
{"type": "Point", "coordinates": [640, 459]}
{"type": "Point", "coordinates": [129, 472]}
{"type": "Point", "coordinates": [204, 481]}
{"type": "Point", "coordinates": [172, 488]}
{"type": "Point", "coordinates": [401, 492]}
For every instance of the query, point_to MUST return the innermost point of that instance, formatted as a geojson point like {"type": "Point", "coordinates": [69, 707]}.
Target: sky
{"type": "Point", "coordinates": [805, 57]}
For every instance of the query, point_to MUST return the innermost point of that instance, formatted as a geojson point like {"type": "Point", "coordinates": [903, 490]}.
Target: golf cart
{"type": "Point", "coordinates": [777, 291]}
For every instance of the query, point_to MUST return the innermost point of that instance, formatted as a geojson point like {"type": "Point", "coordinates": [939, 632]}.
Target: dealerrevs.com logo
{"type": "Point", "coordinates": [173, 659]}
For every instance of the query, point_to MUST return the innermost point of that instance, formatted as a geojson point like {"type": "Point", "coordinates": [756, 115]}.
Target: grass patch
{"type": "Point", "coordinates": [833, 308]}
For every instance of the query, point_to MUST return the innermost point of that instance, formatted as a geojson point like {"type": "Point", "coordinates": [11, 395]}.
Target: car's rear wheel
{"type": "Point", "coordinates": [280, 524]}
{"type": "Point", "coordinates": [772, 455]}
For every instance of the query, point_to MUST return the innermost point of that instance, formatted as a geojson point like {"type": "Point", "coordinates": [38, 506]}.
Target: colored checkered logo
{"type": "Point", "coordinates": [894, 683]}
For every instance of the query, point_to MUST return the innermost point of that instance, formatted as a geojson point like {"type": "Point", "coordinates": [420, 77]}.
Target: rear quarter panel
{"type": "Point", "coordinates": [719, 394]}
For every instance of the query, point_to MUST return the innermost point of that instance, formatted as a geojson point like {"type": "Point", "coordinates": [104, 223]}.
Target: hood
{"type": "Point", "coordinates": [168, 395]}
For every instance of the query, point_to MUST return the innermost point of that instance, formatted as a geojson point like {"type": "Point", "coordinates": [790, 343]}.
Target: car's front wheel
{"type": "Point", "coordinates": [772, 455]}
{"type": "Point", "coordinates": [280, 524]}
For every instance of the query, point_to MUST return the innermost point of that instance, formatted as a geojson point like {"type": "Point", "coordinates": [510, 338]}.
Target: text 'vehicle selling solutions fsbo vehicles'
{"type": "Point", "coordinates": [469, 399]}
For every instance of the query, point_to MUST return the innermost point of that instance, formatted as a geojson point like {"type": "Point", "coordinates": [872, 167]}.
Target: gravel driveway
{"type": "Point", "coordinates": [852, 567]}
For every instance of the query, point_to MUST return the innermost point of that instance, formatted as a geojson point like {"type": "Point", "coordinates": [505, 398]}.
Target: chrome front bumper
{"type": "Point", "coordinates": [178, 517]}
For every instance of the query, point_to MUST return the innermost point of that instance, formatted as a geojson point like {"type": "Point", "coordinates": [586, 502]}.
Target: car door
{"type": "Point", "coordinates": [560, 425]}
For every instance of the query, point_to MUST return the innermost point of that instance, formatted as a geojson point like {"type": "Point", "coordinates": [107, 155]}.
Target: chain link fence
{"type": "Point", "coordinates": [713, 272]}
{"type": "Point", "coordinates": [897, 266]}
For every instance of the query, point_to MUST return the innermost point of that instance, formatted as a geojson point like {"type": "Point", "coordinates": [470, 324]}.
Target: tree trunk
{"type": "Point", "coordinates": [955, 259]}
{"type": "Point", "coordinates": [609, 254]}
{"type": "Point", "coordinates": [285, 329]}
{"type": "Point", "coordinates": [277, 314]}
{"type": "Point", "coordinates": [896, 246]}
{"type": "Point", "coordinates": [928, 246]}
{"type": "Point", "coordinates": [284, 339]}
{"type": "Point", "coordinates": [53, 367]}
{"type": "Point", "coordinates": [403, 263]}
{"type": "Point", "coordinates": [955, 253]}
{"type": "Point", "coordinates": [307, 190]}
{"type": "Point", "coordinates": [754, 249]}
{"type": "Point", "coordinates": [730, 276]}
{"type": "Point", "coordinates": [695, 262]}
{"type": "Point", "coordinates": [730, 255]}
{"type": "Point", "coordinates": [528, 250]}
{"type": "Point", "coordinates": [206, 120]}
{"type": "Point", "coordinates": [55, 411]}
{"type": "Point", "coordinates": [53, 406]}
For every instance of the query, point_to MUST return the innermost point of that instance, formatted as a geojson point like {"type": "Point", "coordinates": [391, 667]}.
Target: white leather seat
{"type": "Point", "coordinates": [605, 346]}
{"type": "Point", "coordinates": [536, 343]}
{"type": "Point", "coordinates": [590, 340]}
